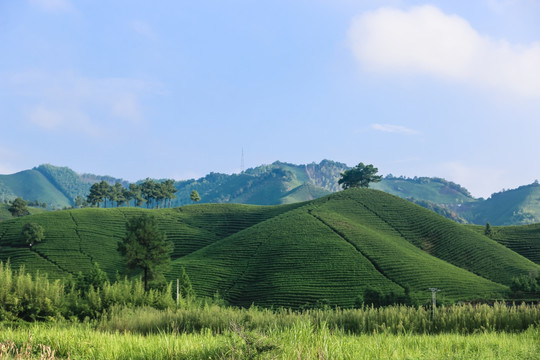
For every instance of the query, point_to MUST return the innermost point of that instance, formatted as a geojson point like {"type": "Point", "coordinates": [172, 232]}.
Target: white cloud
{"type": "Point", "coordinates": [54, 5]}
{"type": "Point", "coordinates": [126, 106]}
{"type": "Point", "coordinates": [143, 28]}
{"type": "Point", "coordinates": [70, 119]}
{"type": "Point", "coordinates": [396, 129]}
{"type": "Point", "coordinates": [424, 40]}
{"type": "Point", "coordinates": [45, 118]}
{"type": "Point", "coordinates": [67, 101]}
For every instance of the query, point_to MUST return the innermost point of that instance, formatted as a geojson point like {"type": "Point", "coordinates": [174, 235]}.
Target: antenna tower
{"type": "Point", "coordinates": [242, 161]}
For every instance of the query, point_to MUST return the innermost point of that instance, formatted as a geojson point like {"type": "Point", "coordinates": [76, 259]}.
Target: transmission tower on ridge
{"type": "Point", "coordinates": [242, 161]}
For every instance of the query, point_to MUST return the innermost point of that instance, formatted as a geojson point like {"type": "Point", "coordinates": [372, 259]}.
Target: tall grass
{"type": "Point", "coordinates": [463, 319]}
{"type": "Point", "coordinates": [36, 298]}
{"type": "Point", "coordinates": [125, 306]}
{"type": "Point", "coordinates": [303, 340]}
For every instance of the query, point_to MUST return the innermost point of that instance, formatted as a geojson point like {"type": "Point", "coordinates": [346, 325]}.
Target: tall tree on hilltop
{"type": "Point", "coordinates": [19, 208]}
{"type": "Point", "coordinates": [170, 190]}
{"type": "Point", "coordinates": [146, 247]}
{"type": "Point", "coordinates": [105, 190]}
{"type": "Point", "coordinates": [136, 194]}
{"type": "Point", "coordinates": [148, 191]}
{"type": "Point", "coordinates": [99, 192]}
{"type": "Point", "coordinates": [195, 197]}
{"type": "Point", "coordinates": [359, 176]}
{"type": "Point", "coordinates": [118, 194]}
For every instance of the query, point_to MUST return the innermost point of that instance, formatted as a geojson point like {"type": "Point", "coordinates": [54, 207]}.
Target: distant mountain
{"type": "Point", "coordinates": [434, 190]}
{"type": "Point", "coordinates": [273, 184]}
{"type": "Point", "coordinates": [508, 207]}
{"type": "Point", "coordinates": [58, 187]}
{"type": "Point", "coordinates": [284, 183]}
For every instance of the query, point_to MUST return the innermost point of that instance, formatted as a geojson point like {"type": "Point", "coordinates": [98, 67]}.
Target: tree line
{"type": "Point", "coordinates": [155, 194]}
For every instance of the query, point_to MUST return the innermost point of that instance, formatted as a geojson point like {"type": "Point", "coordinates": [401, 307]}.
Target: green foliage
{"type": "Point", "coordinates": [195, 196]}
{"type": "Point", "coordinates": [19, 208]}
{"type": "Point", "coordinates": [32, 233]}
{"type": "Point", "coordinates": [359, 176]}
{"type": "Point", "coordinates": [526, 286]}
{"type": "Point", "coordinates": [99, 192]}
{"type": "Point", "coordinates": [36, 298]}
{"type": "Point", "coordinates": [186, 288]}
{"type": "Point", "coordinates": [146, 247]}
{"type": "Point", "coordinates": [488, 230]}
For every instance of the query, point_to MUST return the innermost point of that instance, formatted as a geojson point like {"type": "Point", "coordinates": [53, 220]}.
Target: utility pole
{"type": "Point", "coordinates": [434, 292]}
{"type": "Point", "coordinates": [177, 292]}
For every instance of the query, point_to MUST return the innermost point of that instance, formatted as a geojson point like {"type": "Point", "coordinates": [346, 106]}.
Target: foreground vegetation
{"type": "Point", "coordinates": [125, 306]}
{"type": "Point", "coordinates": [41, 319]}
{"type": "Point", "coordinates": [301, 341]}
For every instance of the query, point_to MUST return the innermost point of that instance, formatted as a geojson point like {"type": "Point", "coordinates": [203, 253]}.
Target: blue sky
{"type": "Point", "coordinates": [176, 89]}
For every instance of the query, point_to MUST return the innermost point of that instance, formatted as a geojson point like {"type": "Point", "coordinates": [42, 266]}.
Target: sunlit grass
{"type": "Point", "coordinates": [301, 341]}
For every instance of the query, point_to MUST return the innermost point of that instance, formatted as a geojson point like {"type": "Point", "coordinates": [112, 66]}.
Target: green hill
{"type": "Point", "coordinates": [6, 215]}
{"type": "Point", "coordinates": [272, 184]}
{"type": "Point", "coordinates": [283, 183]}
{"type": "Point", "coordinates": [434, 190]}
{"type": "Point", "coordinates": [329, 249]}
{"type": "Point", "coordinates": [303, 193]}
{"type": "Point", "coordinates": [33, 185]}
{"type": "Point", "coordinates": [524, 239]}
{"type": "Point", "coordinates": [509, 207]}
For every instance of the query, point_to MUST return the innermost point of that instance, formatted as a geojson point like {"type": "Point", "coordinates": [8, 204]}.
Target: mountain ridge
{"type": "Point", "coordinates": [282, 182]}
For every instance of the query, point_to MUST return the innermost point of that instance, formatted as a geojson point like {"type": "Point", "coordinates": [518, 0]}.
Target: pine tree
{"type": "Point", "coordinates": [146, 247]}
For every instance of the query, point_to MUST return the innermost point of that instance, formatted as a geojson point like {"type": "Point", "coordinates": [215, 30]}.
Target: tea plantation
{"type": "Point", "coordinates": [325, 251]}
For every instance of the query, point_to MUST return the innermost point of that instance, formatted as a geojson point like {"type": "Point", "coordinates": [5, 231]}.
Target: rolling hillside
{"type": "Point", "coordinates": [32, 185]}
{"type": "Point", "coordinates": [509, 207]}
{"type": "Point", "coordinates": [434, 190]}
{"type": "Point", "coordinates": [6, 215]}
{"type": "Point", "coordinates": [329, 249]}
{"type": "Point", "coordinates": [524, 239]}
{"type": "Point", "coordinates": [283, 183]}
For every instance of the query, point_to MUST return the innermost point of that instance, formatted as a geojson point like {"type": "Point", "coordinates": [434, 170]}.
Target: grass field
{"type": "Point", "coordinates": [301, 341]}
{"type": "Point", "coordinates": [121, 321]}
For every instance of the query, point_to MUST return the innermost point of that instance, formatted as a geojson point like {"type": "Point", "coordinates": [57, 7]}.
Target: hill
{"type": "Point", "coordinates": [6, 215]}
{"type": "Point", "coordinates": [56, 186]}
{"type": "Point", "coordinates": [282, 183]}
{"type": "Point", "coordinates": [277, 183]}
{"type": "Point", "coordinates": [330, 249]}
{"type": "Point", "coordinates": [524, 239]}
{"type": "Point", "coordinates": [32, 185]}
{"type": "Point", "coordinates": [508, 207]}
{"type": "Point", "coordinates": [434, 190]}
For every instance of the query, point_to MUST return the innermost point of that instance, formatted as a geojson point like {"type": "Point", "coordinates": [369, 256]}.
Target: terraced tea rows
{"type": "Point", "coordinates": [75, 239]}
{"type": "Point", "coordinates": [323, 251]}
{"type": "Point", "coordinates": [524, 240]}
{"type": "Point", "coordinates": [441, 237]}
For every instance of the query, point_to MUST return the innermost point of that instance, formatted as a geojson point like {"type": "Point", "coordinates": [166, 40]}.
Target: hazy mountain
{"type": "Point", "coordinates": [282, 183]}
